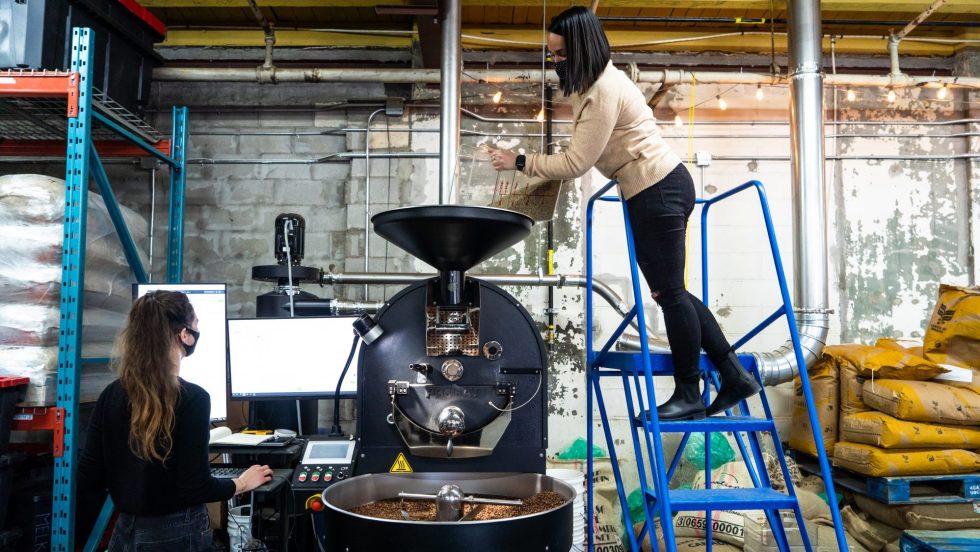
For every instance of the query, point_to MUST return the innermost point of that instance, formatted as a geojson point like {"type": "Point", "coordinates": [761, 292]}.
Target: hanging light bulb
{"type": "Point", "coordinates": [942, 93]}
{"type": "Point", "coordinates": [540, 116]}
{"type": "Point", "coordinates": [851, 95]}
{"type": "Point", "coordinates": [497, 96]}
{"type": "Point", "coordinates": [758, 93]}
{"type": "Point", "coordinates": [678, 122]}
{"type": "Point", "coordinates": [722, 104]}
{"type": "Point", "coordinates": [892, 96]}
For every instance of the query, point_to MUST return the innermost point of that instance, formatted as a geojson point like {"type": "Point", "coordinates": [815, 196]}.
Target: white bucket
{"type": "Point", "coordinates": [239, 527]}
{"type": "Point", "coordinates": [576, 479]}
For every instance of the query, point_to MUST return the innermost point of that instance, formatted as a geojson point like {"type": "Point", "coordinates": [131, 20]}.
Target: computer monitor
{"type": "Point", "coordinates": [290, 358]}
{"type": "Point", "coordinates": [208, 365]}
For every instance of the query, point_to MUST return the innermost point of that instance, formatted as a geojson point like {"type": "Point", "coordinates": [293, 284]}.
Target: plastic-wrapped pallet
{"type": "Point", "coordinates": [32, 226]}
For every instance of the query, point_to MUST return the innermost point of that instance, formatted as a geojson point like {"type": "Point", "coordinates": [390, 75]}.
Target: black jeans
{"type": "Point", "coordinates": [658, 218]}
{"type": "Point", "coordinates": [184, 531]}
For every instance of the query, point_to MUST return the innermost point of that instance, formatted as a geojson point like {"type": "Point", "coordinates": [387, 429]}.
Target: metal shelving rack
{"type": "Point", "coordinates": [33, 124]}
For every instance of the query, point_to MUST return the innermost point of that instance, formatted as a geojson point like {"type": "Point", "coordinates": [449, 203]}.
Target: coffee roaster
{"type": "Point", "coordinates": [452, 395]}
{"type": "Point", "coordinates": [458, 381]}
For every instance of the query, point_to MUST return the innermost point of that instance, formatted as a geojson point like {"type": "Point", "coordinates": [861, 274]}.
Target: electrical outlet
{"type": "Point", "coordinates": [702, 158]}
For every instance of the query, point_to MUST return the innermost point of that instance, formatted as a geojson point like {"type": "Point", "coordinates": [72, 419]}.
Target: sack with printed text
{"type": "Point", "coordinates": [953, 333]}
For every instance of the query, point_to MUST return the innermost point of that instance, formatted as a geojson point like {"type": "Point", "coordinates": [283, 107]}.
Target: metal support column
{"type": "Point", "coordinates": [72, 286]}
{"type": "Point", "coordinates": [175, 238]}
{"type": "Point", "coordinates": [452, 67]}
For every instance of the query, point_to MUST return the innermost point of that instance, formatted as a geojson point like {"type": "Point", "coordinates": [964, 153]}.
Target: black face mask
{"type": "Point", "coordinates": [561, 69]}
{"type": "Point", "coordinates": [189, 349]}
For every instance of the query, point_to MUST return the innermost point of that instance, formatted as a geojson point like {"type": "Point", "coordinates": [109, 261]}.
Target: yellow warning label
{"type": "Point", "coordinates": [401, 465]}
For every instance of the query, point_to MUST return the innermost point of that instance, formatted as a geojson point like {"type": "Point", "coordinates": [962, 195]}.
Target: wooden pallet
{"type": "Point", "coordinates": [965, 540]}
{"type": "Point", "coordinates": [911, 489]}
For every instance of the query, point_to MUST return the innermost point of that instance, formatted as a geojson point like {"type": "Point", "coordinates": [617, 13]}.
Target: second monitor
{"type": "Point", "coordinates": [279, 358]}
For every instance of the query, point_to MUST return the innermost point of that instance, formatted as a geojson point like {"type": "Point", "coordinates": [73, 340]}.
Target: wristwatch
{"type": "Point", "coordinates": [519, 162]}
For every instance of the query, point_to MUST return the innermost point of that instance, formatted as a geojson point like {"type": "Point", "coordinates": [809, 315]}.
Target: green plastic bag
{"type": "Point", "coordinates": [579, 451]}
{"type": "Point", "coordinates": [721, 451]}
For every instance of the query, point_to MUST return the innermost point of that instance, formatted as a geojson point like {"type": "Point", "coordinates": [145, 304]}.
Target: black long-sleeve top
{"type": "Point", "coordinates": [151, 488]}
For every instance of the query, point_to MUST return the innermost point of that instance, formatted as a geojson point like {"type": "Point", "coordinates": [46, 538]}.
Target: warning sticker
{"type": "Point", "coordinates": [401, 465]}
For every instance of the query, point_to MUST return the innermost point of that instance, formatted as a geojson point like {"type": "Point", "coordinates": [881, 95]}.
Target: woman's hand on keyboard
{"type": "Point", "coordinates": [253, 478]}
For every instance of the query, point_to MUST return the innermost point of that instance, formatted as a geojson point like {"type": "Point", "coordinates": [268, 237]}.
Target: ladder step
{"type": "Point", "coordinates": [712, 424]}
{"type": "Point", "coordinates": [689, 500]}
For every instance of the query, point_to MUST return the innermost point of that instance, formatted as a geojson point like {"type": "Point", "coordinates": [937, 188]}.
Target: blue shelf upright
{"type": "Point", "coordinates": [87, 111]}
{"type": "Point", "coordinates": [637, 370]}
{"type": "Point", "coordinates": [72, 289]}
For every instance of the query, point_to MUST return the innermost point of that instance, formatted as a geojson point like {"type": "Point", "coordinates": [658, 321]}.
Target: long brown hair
{"type": "Point", "coordinates": [146, 370]}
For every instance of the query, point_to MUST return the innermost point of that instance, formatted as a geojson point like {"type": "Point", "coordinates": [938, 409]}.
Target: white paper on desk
{"type": "Point", "coordinates": [219, 433]}
{"type": "Point", "coordinates": [243, 439]}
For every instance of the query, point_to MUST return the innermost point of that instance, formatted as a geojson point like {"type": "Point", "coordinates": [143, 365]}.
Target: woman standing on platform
{"type": "Point", "coordinates": [148, 436]}
{"type": "Point", "coordinates": [615, 132]}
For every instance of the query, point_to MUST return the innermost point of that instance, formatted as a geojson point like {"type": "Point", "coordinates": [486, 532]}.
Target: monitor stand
{"type": "Point", "coordinates": [282, 414]}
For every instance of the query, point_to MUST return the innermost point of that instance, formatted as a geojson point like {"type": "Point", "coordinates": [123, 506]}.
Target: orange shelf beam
{"type": "Point", "coordinates": [55, 148]}
{"type": "Point", "coordinates": [42, 85]}
{"type": "Point", "coordinates": [43, 418]}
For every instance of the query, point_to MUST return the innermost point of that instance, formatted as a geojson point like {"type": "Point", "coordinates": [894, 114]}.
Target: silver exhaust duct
{"type": "Point", "coordinates": [657, 343]}
{"type": "Point", "coordinates": [810, 292]}
{"type": "Point", "coordinates": [449, 101]}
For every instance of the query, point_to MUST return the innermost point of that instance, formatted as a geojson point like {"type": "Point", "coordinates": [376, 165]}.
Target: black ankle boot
{"type": "Point", "coordinates": [736, 385]}
{"type": "Point", "coordinates": [684, 404]}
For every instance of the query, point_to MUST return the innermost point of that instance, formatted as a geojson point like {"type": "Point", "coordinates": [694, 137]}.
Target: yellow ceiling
{"type": "Point", "coordinates": [231, 23]}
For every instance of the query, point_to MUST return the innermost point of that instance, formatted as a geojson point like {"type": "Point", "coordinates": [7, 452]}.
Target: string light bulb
{"type": "Point", "coordinates": [497, 96]}
{"type": "Point", "coordinates": [722, 104]}
{"type": "Point", "coordinates": [892, 96]}
{"type": "Point", "coordinates": [540, 116]}
{"type": "Point", "coordinates": [942, 93]}
{"type": "Point", "coordinates": [759, 95]}
{"type": "Point", "coordinates": [851, 96]}
{"type": "Point", "coordinates": [678, 122]}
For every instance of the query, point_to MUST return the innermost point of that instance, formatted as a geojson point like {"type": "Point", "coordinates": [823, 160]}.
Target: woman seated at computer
{"type": "Point", "coordinates": [148, 436]}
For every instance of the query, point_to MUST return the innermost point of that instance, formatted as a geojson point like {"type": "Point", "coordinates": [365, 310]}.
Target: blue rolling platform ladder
{"type": "Point", "coordinates": [637, 370]}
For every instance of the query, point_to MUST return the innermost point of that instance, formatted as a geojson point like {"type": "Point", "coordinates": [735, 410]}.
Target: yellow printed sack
{"type": "Point", "coordinates": [824, 384]}
{"type": "Point", "coordinates": [898, 344]}
{"type": "Point", "coordinates": [973, 384]}
{"type": "Point", "coordinates": [923, 401]}
{"type": "Point", "coordinates": [881, 430]}
{"type": "Point", "coordinates": [884, 363]}
{"type": "Point", "coordinates": [859, 362]}
{"type": "Point", "coordinates": [953, 333]}
{"type": "Point", "coordinates": [851, 388]}
{"type": "Point", "coordinates": [877, 462]}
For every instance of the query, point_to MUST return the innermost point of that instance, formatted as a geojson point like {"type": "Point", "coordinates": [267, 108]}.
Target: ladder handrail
{"type": "Point", "coordinates": [657, 455]}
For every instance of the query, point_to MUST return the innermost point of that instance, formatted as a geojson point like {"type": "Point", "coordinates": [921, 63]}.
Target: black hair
{"type": "Point", "coordinates": [586, 47]}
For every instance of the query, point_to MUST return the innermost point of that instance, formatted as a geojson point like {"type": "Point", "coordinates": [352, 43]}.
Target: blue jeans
{"type": "Point", "coordinates": [658, 218]}
{"type": "Point", "coordinates": [184, 531]}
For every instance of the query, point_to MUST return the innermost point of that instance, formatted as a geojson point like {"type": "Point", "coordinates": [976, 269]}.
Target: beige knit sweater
{"type": "Point", "coordinates": [614, 131]}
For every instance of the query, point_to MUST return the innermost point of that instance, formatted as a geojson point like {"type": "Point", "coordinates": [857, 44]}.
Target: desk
{"type": "Point", "coordinates": [276, 457]}
{"type": "Point", "coordinates": [276, 491]}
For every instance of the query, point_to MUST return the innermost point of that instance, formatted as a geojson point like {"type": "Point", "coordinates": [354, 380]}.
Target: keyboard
{"type": "Point", "coordinates": [226, 472]}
